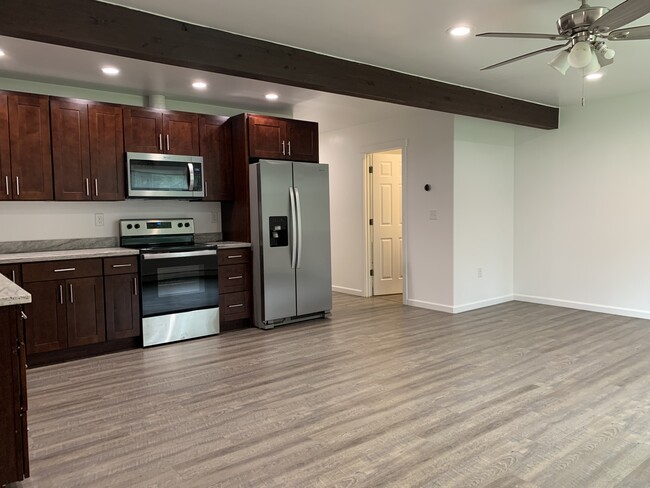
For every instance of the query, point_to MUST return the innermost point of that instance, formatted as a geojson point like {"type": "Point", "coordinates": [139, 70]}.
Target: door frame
{"type": "Point", "coordinates": [368, 151]}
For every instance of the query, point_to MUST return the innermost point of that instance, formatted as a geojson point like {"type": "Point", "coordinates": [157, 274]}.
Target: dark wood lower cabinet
{"type": "Point", "coordinates": [46, 327]}
{"type": "Point", "coordinates": [14, 458]}
{"type": "Point", "coordinates": [122, 306]}
{"type": "Point", "coordinates": [85, 311]}
{"type": "Point", "coordinates": [235, 298]}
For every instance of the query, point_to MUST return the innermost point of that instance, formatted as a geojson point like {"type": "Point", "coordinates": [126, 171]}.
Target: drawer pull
{"type": "Point", "coordinates": [121, 265]}
{"type": "Point", "coordinates": [236, 306]}
{"type": "Point", "coordinates": [235, 256]}
{"type": "Point", "coordinates": [235, 277]}
{"type": "Point", "coordinates": [64, 269]}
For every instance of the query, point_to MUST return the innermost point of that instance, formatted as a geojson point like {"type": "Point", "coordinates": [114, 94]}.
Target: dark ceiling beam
{"type": "Point", "coordinates": [111, 29]}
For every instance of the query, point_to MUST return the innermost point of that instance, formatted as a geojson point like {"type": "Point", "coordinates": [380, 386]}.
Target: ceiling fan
{"type": "Point", "coordinates": [585, 33]}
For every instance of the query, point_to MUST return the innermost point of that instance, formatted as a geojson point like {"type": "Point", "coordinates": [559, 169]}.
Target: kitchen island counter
{"type": "Point", "coordinates": [11, 293]}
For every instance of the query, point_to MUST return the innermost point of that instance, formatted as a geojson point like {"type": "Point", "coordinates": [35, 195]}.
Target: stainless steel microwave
{"type": "Point", "coordinates": [151, 175]}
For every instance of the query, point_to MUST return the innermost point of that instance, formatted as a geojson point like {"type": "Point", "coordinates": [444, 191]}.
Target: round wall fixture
{"type": "Point", "coordinates": [427, 187]}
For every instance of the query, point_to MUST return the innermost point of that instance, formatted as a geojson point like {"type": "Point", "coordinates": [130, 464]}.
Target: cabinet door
{"type": "Point", "coordinates": [5, 161]}
{"type": "Point", "coordinates": [106, 152]}
{"type": "Point", "coordinates": [143, 130]}
{"type": "Point", "coordinates": [216, 149]}
{"type": "Point", "coordinates": [302, 140]}
{"type": "Point", "coordinates": [122, 306]}
{"type": "Point", "coordinates": [266, 137]}
{"type": "Point", "coordinates": [31, 157]}
{"type": "Point", "coordinates": [181, 133]}
{"type": "Point", "coordinates": [46, 322]}
{"type": "Point", "coordinates": [11, 271]}
{"type": "Point", "coordinates": [85, 311]}
{"type": "Point", "coordinates": [70, 149]}
{"type": "Point", "coordinates": [10, 425]}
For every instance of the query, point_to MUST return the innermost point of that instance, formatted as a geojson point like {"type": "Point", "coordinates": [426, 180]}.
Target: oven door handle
{"type": "Point", "coordinates": [190, 169]}
{"type": "Point", "coordinates": [171, 255]}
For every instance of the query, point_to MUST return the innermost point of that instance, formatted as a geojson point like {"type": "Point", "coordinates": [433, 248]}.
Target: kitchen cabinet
{"type": "Point", "coordinates": [122, 300]}
{"type": "Point", "coordinates": [28, 175]}
{"type": "Point", "coordinates": [276, 138]}
{"type": "Point", "coordinates": [87, 150]}
{"type": "Point", "coordinates": [67, 308]}
{"type": "Point", "coordinates": [11, 271]}
{"type": "Point", "coordinates": [155, 131]}
{"type": "Point", "coordinates": [216, 148]}
{"type": "Point", "coordinates": [234, 285]}
{"type": "Point", "coordinates": [14, 457]}
{"type": "Point", "coordinates": [5, 153]}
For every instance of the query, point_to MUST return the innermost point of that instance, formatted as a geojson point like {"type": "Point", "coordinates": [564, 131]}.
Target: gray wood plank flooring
{"type": "Point", "coordinates": [379, 395]}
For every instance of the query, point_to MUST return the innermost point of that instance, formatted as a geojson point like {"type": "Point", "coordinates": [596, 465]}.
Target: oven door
{"type": "Point", "coordinates": [173, 282]}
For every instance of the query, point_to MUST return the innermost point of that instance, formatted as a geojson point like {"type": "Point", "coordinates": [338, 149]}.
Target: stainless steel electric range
{"type": "Point", "coordinates": [179, 285]}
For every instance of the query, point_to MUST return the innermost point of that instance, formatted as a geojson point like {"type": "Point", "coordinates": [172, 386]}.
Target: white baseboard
{"type": "Point", "coordinates": [438, 307]}
{"type": "Point", "coordinates": [591, 307]}
{"type": "Point", "coordinates": [348, 291]}
{"type": "Point", "coordinates": [482, 303]}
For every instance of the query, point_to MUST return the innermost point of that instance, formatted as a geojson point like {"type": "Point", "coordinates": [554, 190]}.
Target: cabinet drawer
{"type": "Point", "coordinates": [61, 270]}
{"type": "Point", "coordinates": [234, 306]}
{"type": "Point", "coordinates": [233, 256]}
{"type": "Point", "coordinates": [235, 277]}
{"type": "Point", "coordinates": [120, 265]}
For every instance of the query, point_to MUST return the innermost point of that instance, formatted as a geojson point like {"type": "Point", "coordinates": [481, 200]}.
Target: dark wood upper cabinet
{"type": "Point", "coordinates": [154, 131]}
{"type": "Point", "coordinates": [106, 151]}
{"type": "Point", "coordinates": [31, 157]}
{"type": "Point", "coordinates": [216, 149]}
{"type": "Point", "coordinates": [275, 138]}
{"type": "Point", "coordinates": [87, 150]}
{"type": "Point", "coordinates": [5, 153]}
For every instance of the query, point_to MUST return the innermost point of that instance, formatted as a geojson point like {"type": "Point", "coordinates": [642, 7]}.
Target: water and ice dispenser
{"type": "Point", "coordinates": [278, 231]}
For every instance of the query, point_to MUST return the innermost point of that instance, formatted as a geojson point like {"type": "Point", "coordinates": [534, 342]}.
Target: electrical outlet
{"type": "Point", "coordinates": [99, 220]}
{"type": "Point", "coordinates": [479, 272]}
{"type": "Point", "coordinates": [433, 214]}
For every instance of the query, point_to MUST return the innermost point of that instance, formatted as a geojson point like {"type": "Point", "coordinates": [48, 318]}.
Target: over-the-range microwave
{"type": "Point", "coordinates": [151, 175]}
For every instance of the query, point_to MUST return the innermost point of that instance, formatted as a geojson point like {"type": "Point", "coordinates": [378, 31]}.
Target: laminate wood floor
{"type": "Point", "coordinates": [380, 395]}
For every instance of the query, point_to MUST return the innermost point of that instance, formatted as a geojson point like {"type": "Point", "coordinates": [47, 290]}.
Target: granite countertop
{"type": "Point", "coordinates": [27, 257]}
{"type": "Point", "coordinates": [11, 293]}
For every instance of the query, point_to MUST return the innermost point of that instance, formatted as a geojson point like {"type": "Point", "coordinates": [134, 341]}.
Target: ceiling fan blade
{"type": "Point", "coordinates": [630, 34]}
{"type": "Point", "coordinates": [524, 35]}
{"type": "Point", "coordinates": [622, 14]}
{"type": "Point", "coordinates": [528, 55]}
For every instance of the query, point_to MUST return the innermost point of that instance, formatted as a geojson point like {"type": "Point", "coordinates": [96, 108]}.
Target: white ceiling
{"type": "Point", "coordinates": [408, 36]}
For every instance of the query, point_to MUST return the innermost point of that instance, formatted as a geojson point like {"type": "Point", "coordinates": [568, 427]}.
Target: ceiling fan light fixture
{"type": "Point", "coordinates": [459, 31]}
{"type": "Point", "coordinates": [592, 67]}
{"type": "Point", "coordinates": [580, 55]}
{"type": "Point", "coordinates": [594, 76]}
{"type": "Point", "coordinates": [560, 62]}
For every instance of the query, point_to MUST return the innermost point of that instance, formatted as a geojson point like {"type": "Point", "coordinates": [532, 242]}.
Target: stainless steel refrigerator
{"type": "Point", "coordinates": [290, 236]}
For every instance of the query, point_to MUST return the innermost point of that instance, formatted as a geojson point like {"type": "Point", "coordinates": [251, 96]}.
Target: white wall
{"type": "Point", "coordinates": [483, 213]}
{"type": "Point", "coordinates": [428, 159]}
{"type": "Point", "coordinates": [582, 207]}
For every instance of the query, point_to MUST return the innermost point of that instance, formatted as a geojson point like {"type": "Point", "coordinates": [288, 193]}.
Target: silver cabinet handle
{"type": "Point", "coordinates": [17, 186]}
{"type": "Point", "coordinates": [283, 153]}
{"type": "Point", "coordinates": [235, 277]}
{"type": "Point", "coordinates": [7, 185]}
{"type": "Point", "coordinates": [96, 188]}
{"type": "Point", "coordinates": [87, 188]}
{"type": "Point", "coordinates": [299, 218]}
{"type": "Point", "coordinates": [160, 142]}
{"type": "Point", "coordinates": [135, 286]}
{"type": "Point", "coordinates": [234, 256]}
{"type": "Point", "coordinates": [236, 305]}
{"type": "Point", "coordinates": [61, 270]}
{"type": "Point", "coordinates": [168, 142]}
{"type": "Point", "coordinates": [71, 293]}
{"type": "Point", "coordinates": [289, 145]}
{"type": "Point", "coordinates": [22, 315]}
{"type": "Point", "coordinates": [13, 275]}
{"type": "Point", "coordinates": [61, 294]}
{"type": "Point", "coordinates": [122, 265]}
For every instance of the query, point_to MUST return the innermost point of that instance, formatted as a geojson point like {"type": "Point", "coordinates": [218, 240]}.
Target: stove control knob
{"type": "Point", "coordinates": [129, 226]}
{"type": "Point", "coordinates": [137, 226]}
{"type": "Point", "coordinates": [187, 224]}
{"type": "Point", "coordinates": [180, 224]}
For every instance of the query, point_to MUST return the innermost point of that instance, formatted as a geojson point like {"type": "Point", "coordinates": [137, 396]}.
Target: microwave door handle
{"type": "Point", "coordinates": [190, 168]}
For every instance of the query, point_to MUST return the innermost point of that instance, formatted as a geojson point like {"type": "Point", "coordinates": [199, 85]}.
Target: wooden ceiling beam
{"type": "Point", "coordinates": [111, 29]}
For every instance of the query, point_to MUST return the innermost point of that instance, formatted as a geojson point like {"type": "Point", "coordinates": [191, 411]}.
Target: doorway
{"type": "Point", "coordinates": [385, 224]}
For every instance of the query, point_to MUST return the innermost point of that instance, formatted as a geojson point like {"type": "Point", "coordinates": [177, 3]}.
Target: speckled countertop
{"type": "Point", "coordinates": [11, 293]}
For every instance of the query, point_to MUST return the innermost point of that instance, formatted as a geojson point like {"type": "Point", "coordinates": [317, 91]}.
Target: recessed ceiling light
{"type": "Point", "coordinates": [271, 96]}
{"type": "Point", "coordinates": [110, 70]}
{"type": "Point", "coordinates": [594, 76]}
{"type": "Point", "coordinates": [2, 53]}
{"type": "Point", "coordinates": [200, 85]}
{"type": "Point", "coordinates": [459, 31]}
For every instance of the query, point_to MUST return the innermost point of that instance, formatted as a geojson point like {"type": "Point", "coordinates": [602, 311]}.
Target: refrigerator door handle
{"type": "Point", "coordinates": [294, 226]}
{"type": "Point", "coordinates": [299, 218]}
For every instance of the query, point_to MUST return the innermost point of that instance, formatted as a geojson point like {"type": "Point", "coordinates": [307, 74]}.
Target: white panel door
{"type": "Point", "coordinates": [387, 223]}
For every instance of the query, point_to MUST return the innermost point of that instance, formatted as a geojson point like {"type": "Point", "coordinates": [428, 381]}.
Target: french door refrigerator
{"type": "Point", "coordinates": [290, 237]}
